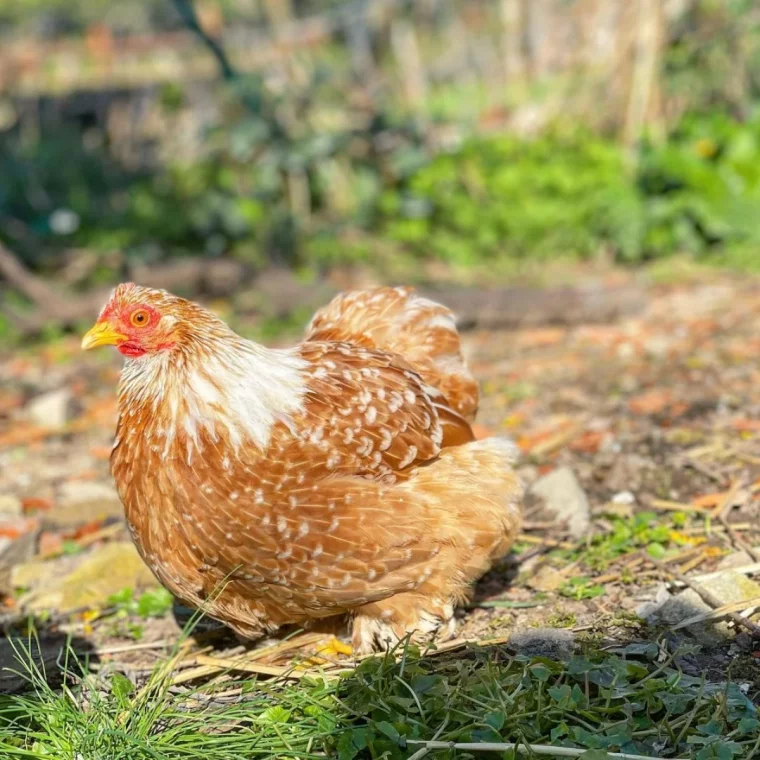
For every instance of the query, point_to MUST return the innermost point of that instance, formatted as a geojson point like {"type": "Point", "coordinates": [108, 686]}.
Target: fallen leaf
{"type": "Point", "coordinates": [746, 426]}
{"type": "Point", "coordinates": [23, 434]}
{"type": "Point", "coordinates": [651, 402]}
{"type": "Point", "coordinates": [588, 442]}
{"type": "Point", "coordinates": [17, 527]}
{"type": "Point", "coordinates": [85, 530]}
{"type": "Point", "coordinates": [36, 504]}
{"type": "Point", "coordinates": [710, 499]}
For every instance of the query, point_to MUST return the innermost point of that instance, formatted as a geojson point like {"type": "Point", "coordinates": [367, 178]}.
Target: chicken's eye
{"type": "Point", "coordinates": [139, 318]}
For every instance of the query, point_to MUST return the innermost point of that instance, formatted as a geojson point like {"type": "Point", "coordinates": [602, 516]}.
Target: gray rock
{"type": "Point", "coordinates": [736, 559]}
{"type": "Point", "coordinates": [83, 501]}
{"type": "Point", "coordinates": [563, 496]}
{"type": "Point", "coordinates": [554, 643]}
{"type": "Point", "coordinates": [670, 610]}
{"type": "Point", "coordinates": [81, 491]}
{"type": "Point", "coordinates": [53, 409]}
{"type": "Point", "coordinates": [628, 473]}
{"type": "Point", "coordinates": [97, 576]}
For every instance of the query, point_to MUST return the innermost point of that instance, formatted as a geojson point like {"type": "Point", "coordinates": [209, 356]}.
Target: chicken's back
{"type": "Point", "coordinates": [400, 321]}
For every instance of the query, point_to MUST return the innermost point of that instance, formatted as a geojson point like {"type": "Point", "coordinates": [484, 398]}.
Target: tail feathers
{"type": "Point", "coordinates": [401, 321]}
{"type": "Point", "coordinates": [470, 500]}
{"type": "Point", "coordinates": [479, 496]}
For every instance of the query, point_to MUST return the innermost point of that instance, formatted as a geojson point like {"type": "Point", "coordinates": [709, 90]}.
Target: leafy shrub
{"type": "Point", "coordinates": [563, 193]}
{"type": "Point", "coordinates": [702, 189]}
{"type": "Point", "coordinates": [572, 194]}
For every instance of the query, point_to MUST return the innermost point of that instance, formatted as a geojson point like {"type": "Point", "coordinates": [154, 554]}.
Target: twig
{"type": "Point", "coordinates": [675, 506]}
{"type": "Point", "coordinates": [743, 570]}
{"type": "Point", "coordinates": [728, 500]}
{"type": "Point", "coordinates": [207, 669]}
{"type": "Point", "coordinates": [556, 441]}
{"type": "Point", "coordinates": [706, 596]}
{"type": "Point", "coordinates": [67, 309]}
{"type": "Point", "coordinates": [252, 98]}
{"type": "Point", "coordinates": [545, 542]}
{"type": "Point", "coordinates": [37, 291]}
{"type": "Point", "coordinates": [699, 529]}
{"type": "Point", "coordinates": [222, 663]}
{"type": "Point", "coordinates": [738, 541]}
{"type": "Point", "coordinates": [541, 525]}
{"type": "Point", "coordinates": [187, 13]}
{"type": "Point", "coordinates": [129, 647]}
{"type": "Point", "coordinates": [695, 464]}
{"type": "Point", "coordinates": [523, 749]}
{"type": "Point", "coordinates": [693, 563]}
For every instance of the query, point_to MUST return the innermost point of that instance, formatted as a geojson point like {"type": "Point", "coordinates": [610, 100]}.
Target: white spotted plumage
{"type": "Point", "coordinates": [295, 479]}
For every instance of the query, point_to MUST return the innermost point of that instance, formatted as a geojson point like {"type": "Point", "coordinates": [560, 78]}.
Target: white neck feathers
{"type": "Point", "coordinates": [236, 389]}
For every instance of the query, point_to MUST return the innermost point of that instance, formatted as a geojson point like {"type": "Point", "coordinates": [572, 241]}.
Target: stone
{"type": "Point", "coordinates": [736, 559]}
{"type": "Point", "coordinates": [554, 643]}
{"type": "Point", "coordinates": [563, 496]}
{"type": "Point", "coordinates": [82, 491]}
{"type": "Point", "coordinates": [546, 579]}
{"type": "Point", "coordinates": [10, 506]}
{"type": "Point", "coordinates": [53, 409]}
{"type": "Point", "coordinates": [628, 473]}
{"type": "Point", "coordinates": [670, 610]}
{"type": "Point", "coordinates": [103, 572]}
{"type": "Point", "coordinates": [81, 501]}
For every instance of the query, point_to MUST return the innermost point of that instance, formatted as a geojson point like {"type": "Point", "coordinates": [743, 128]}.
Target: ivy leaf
{"type": "Point", "coordinates": [347, 750]}
{"type": "Point", "coordinates": [389, 730]}
{"type": "Point", "coordinates": [496, 720]}
{"type": "Point", "coordinates": [275, 714]}
{"type": "Point", "coordinates": [749, 725]}
{"type": "Point", "coordinates": [154, 603]}
{"type": "Point", "coordinates": [121, 687]}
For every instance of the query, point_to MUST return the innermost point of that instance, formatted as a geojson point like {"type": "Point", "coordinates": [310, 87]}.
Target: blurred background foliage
{"type": "Point", "coordinates": [317, 134]}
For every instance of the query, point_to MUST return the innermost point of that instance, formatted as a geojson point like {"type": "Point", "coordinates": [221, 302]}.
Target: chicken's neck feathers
{"type": "Point", "coordinates": [229, 387]}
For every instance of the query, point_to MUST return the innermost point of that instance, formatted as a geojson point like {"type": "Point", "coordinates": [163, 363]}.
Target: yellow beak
{"type": "Point", "coordinates": [101, 334]}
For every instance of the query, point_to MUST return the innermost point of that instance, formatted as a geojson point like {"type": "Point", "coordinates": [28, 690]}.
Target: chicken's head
{"type": "Point", "coordinates": [143, 321]}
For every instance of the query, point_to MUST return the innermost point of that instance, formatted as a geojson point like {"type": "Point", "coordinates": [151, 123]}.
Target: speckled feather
{"type": "Point", "coordinates": [287, 486]}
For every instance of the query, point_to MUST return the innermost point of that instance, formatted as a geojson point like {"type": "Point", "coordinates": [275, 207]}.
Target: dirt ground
{"type": "Point", "coordinates": [658, 413]}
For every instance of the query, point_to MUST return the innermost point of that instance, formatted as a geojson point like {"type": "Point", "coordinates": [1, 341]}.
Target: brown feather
{"type": "Point", "coordinates": [372, 498]}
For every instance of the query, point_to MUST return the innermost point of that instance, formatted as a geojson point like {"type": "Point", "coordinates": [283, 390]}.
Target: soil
{"type": "Point", "coordinates": [655, 411]}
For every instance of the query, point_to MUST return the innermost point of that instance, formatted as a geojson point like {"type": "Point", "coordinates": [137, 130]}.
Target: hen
{"type": "Point", "coordinates": [285, 486]}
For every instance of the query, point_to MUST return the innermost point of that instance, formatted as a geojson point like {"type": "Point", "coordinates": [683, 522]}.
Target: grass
{"type": "Point", "coordinates": [635, 700]}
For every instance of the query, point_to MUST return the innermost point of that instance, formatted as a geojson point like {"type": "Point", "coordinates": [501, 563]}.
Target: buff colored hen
{"type": "Point", "coordinates": [287, 486]}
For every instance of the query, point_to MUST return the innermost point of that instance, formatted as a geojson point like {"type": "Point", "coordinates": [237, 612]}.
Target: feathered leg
{"type": "Point", "coordinates": [478, 498]}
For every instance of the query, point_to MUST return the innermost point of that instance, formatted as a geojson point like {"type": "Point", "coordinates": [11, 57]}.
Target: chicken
{"type": "Point", "coordinates": [339, 477]}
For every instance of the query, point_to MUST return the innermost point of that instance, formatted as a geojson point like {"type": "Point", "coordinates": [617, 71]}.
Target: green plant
{"type": "Point", "coordinates": [151, 603]}
{"type": "Point", "coordinates": [647, 531]}
{"type": "Point", "coordinates": [702, 189]}
{"type": "Point", "coordinates": [634, 700]}
{"type": "Point", "coordinates": [563, 193]}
